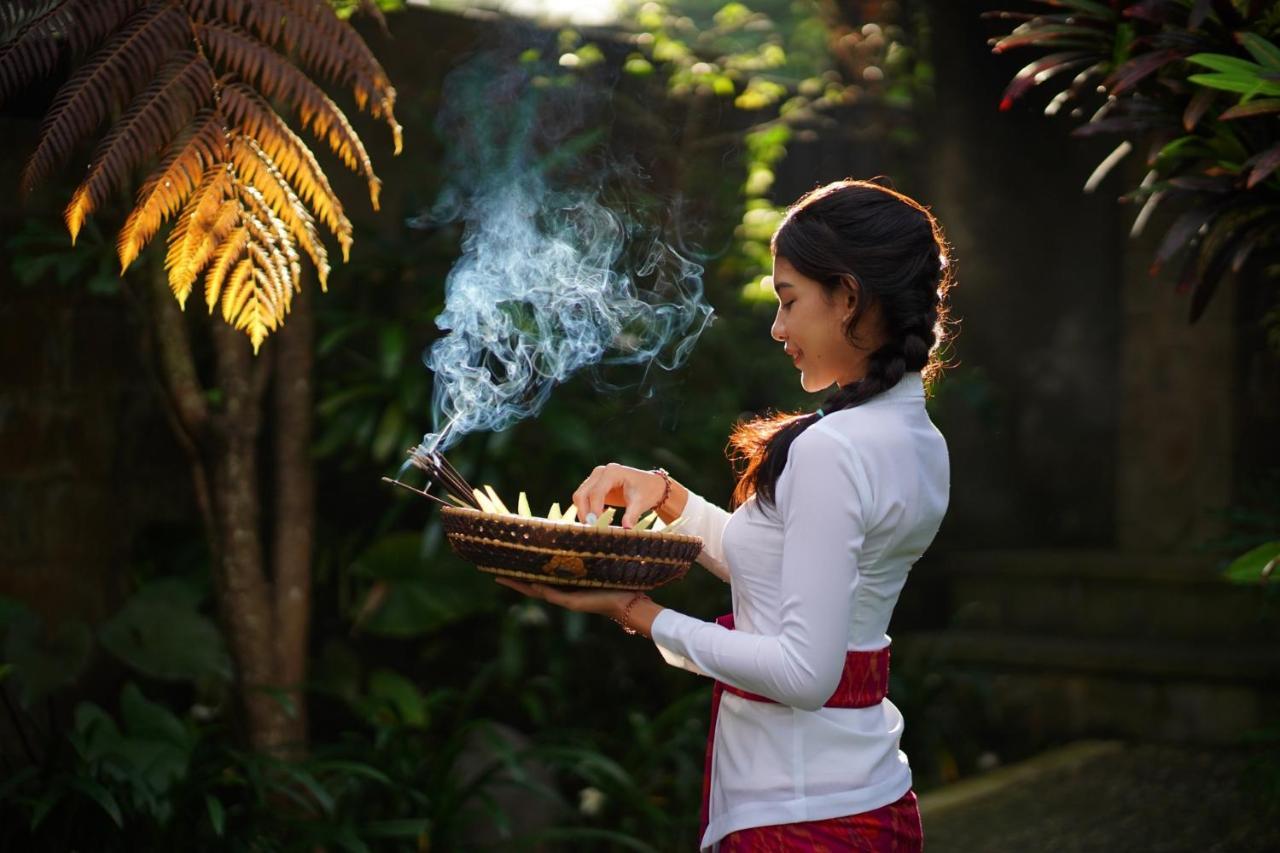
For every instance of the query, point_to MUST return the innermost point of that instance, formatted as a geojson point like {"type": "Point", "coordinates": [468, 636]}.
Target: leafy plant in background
{"type": "Point", "coordinates": [788, 69]}
{"type": "Point", "coordinates": [186, 92]}
{"type": "Point", "coordinates": [1198, 82]}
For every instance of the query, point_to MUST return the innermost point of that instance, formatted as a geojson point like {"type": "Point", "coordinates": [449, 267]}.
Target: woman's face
{"type": "Point", "coordinates": [811, 326]}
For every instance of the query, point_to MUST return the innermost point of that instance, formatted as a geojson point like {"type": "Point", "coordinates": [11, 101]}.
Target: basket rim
{"type": "Point", "coordinates": [575, 527]}
{"type": "Point", "coordinates": [543, 549]}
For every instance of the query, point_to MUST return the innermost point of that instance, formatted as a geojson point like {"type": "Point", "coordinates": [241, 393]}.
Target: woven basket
{"type": "Point", "coordinates": [559, 554]}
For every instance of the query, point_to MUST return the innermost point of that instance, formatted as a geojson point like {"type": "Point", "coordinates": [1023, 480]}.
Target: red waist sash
{"type": "Point", "coordinates": [863, 684]}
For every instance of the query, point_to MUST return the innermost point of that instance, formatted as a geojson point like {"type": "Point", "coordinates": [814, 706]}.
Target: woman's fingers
{"type": "Point", "coordinates": [591, 495]}
{"type": "Point", "coordinates": [615, 485]}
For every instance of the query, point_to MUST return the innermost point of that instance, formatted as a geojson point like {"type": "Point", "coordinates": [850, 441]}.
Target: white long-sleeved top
{"type": "Point", "coordinates": [861, 497]}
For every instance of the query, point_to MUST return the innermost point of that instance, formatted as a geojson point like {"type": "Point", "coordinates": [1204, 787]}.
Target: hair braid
{"type": "Point", "coordinates": [894, 250]}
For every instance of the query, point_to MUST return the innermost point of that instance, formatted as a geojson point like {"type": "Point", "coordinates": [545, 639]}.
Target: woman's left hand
{"type": "Point", "coordinates": [605, 602]}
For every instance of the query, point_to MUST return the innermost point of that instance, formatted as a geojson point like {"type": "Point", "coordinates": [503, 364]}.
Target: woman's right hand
{"type": "Point", "coordinates": [619, 485]}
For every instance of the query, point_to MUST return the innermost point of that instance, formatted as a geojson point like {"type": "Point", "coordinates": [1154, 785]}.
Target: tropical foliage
{"type": "Point", "coordinates": [193, 83]}
{"type": "Point", "coordinates": [1197, 82]}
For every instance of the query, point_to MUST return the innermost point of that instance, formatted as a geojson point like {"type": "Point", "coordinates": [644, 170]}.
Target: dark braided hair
{"type": "Point", "coordinates": [890, 250]}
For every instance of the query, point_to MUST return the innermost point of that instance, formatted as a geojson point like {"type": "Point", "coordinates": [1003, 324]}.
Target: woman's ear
{"type": "Point", "coordinates": [848, 298]}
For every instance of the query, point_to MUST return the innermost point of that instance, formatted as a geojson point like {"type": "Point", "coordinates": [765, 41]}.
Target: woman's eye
{"type": "Point", "coordinates": [788, 304]}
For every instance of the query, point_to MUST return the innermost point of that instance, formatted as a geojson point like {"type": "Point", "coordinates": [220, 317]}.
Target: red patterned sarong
{"type": "Point", "coordinates": [894, 828]}
{"type": "Point", "coordinates": [863, 684]}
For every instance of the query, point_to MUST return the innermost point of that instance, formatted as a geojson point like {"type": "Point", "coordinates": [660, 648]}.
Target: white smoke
{"type": "Point", "coordinates": [551, 280]}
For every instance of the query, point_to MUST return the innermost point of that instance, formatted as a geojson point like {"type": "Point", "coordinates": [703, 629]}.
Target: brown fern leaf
{"type": "Point", "coordinates": [254, 167]}
{"type": "Point", "coordinates": [199, 229]}
{"type": "Point", "coordinates": [277, 78]}
{"type": "Point", "coordinates": [34, 49]}
{"type": "Point", "coordinates": [224, 260]}
{"type": "Point", "coordinates": [247, 113]}
{"type": "Point", "coordinates": [16, 14]}
{"type": "Point", "coordinates": [153, 119]}
{"type": "Point", "coordinates": [171, 183]}
{"type": "Point", "coordinates": [103, 84]}
{"type": "Point", "coordinates": [90, 21]}
{"type": "Point", "coordinates": [331, 45]}
{"type": "Point", "coordinates": [322, 41]}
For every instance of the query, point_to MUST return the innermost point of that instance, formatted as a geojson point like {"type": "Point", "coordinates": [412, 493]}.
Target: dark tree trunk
{"type": "Point", "coordinates": [265, 619]}
{"type": "Point", "coordinates": [295, 499]}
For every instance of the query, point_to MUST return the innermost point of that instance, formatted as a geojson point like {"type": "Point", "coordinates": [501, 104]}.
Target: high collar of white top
{"type": "Point", "coordinates": [909, 387]}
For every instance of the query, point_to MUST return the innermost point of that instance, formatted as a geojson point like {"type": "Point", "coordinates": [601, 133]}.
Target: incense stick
{"type": "Point", "coordinates": [404, 485]}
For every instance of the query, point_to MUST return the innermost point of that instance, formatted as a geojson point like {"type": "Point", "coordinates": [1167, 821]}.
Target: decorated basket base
{"type": "Point", "coordinates": [566, 553]}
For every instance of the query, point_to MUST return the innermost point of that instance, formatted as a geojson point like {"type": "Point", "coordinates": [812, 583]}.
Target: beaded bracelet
{"type": "Point", "coordinates": [625, 622]}
{"type": "Point", "coordinates": [666, 491]}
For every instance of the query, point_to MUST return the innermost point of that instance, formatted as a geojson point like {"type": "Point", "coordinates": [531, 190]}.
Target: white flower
{"type": "Point", "coordinates": [591, 801]}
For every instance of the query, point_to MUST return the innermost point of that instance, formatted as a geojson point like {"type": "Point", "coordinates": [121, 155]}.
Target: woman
{"type": "Point", "coordinates": [832, 510]}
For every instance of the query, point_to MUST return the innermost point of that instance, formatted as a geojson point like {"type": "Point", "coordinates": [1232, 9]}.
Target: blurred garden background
{"type": "Point", "coordinates": [220, 630]}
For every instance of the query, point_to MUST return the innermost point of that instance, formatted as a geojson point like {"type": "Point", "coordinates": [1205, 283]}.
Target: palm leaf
{"type": "Point", "coordinates": [151, 121]}
{"type": "Point", "coordinates": [277, 79]}
{"type": "Point", "coordinates": [106, 82]}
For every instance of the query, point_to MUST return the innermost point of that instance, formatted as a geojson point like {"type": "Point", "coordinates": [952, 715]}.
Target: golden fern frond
{"type": "Point", "coordinates": [247, 302]}
{"type": "Point", "coordinates": [326, 42]}
{"type": "Point", "coordinates": [249, 114]}
{"type": "Point", "coordinates": [105, 83]}
{"type": "Point", "coordinates": [153, 119]}
{"type": "Point", "coordinates": [224, 260]}
{"type": "Point", "coordinates": [323, 42]}
{"type": "Point", "coordinates": [277, 78]}
{"type": "Point", "coordinates": [254, 167]}
{"type": "Point", "coordinates": [36, 46]}
{"type": "Point", "coordinates": [238, 295]}
{"type": "Point", "coordinates": [272, 232]}
{"type": "Point", "coordinates": [171, 184]}
{"type": "Point", "coordinates": [196, 235]}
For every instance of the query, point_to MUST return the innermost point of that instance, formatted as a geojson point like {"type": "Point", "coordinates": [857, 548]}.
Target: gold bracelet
{"type": "Point", "coordinates": [626, 613]}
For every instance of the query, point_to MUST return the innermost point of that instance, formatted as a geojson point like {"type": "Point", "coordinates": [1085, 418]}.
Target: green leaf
{"type": "Point", "coordinates": [1249, 87]}
{"type": "Point", "coordinates": [160, 633]}
{"type": "Point", "coordinates": [402, 828]}
{"type": "Point", "coordinates": [355, 768]}
{"type": "Point", "coordinates": [1266, 53]}
{"type": "Point", "coordinates": [92, 789]}
{"type": "Point", "coordinates": [1226, 64]}
{"type": "Point", "coordinates": [401, 694]}
{"type": "Point", "coordinates": [391, 347]}
{"type": "Point", "coordinates": [319, 793]}
{"type": "Point", "coordinates": [45, 659]}
{"type": "Point", "coordinates": [217, 816]}
{"type": "Point", "coordinates": [143, 717]}
{"type": "Point", "coordinates": [1261, 565]}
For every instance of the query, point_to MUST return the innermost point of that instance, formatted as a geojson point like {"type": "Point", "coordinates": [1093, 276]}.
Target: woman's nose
{"type": "Point", "coordinates": [777, 330]}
